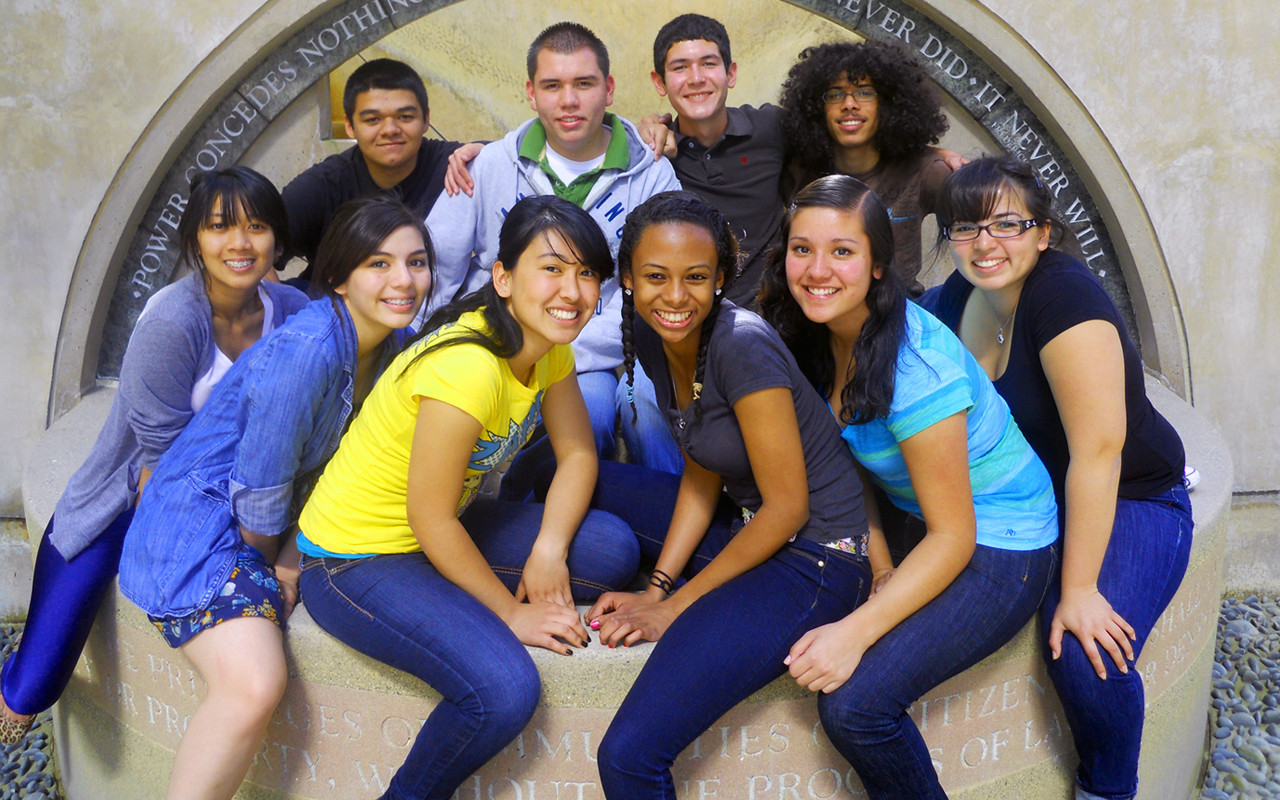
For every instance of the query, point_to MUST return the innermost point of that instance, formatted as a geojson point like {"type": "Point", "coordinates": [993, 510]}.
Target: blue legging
{"type": "Point", "coordinates": [65, 597]}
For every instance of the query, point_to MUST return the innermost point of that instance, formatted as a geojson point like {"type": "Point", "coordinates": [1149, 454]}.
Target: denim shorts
{"type": "Point", "coordinates": [251, 591]}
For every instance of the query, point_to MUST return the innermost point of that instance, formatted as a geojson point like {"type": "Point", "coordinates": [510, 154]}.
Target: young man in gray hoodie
{"type": "Point", "coordinates": [577, 150]}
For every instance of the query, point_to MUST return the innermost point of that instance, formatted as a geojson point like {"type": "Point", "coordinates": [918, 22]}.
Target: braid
{"type": "Point", "coordinates": [704, 340]}
{"type": "Point", "coordinates": [629, 349]}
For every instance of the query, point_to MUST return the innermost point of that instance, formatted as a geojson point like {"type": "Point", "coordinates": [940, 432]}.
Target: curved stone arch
{"type": "Point", "coordinates": [234, 94]}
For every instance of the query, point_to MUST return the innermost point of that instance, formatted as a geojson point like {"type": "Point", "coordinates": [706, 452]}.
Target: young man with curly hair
{"type": "Point", "coordinates": [869, 110]}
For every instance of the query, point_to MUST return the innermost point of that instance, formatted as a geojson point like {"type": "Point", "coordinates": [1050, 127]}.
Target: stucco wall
{"type": "Point", "coordinates": [1187, 99]}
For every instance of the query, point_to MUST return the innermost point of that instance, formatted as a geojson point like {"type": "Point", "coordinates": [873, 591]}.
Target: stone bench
{"type": "Point", "coordinates": [995, 731]}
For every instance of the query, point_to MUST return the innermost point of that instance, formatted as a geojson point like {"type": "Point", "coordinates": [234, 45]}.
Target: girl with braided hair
{"type": "Point", "coordinates": [766, 523]}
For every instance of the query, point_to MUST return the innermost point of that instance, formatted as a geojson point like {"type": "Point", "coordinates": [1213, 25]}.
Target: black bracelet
{"type": "Point", "coordinates": [663, 581]}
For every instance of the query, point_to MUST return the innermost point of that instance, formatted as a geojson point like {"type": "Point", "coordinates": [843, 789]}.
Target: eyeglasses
{"type": "Point", "coordinates": [863, 94]}
{"type": "Point", "coordinates": [1000, 229]}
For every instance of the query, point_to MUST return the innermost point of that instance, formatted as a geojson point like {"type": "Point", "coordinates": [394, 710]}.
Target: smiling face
{"type": "Point", "coordinates": [570, 94]}
{"type": "Point", "coordinates": [993, 264]}
{"type": "Point", "coordinates": [674, 280]}
{"type": "Point", "coordinates": [386, 290]}
{"type": "Point", "coordinates": [388, 125]}
{"type": "Point", "coordinates": [235, 255]}
{"type": "Point", "coordinates": [850, 123]}
{"type": "Point", "coordinates": [829, 267]}
{"type": "Point", "coordinates": [696, 80]}
{"type": "Point", "coordinates": [549, 293]}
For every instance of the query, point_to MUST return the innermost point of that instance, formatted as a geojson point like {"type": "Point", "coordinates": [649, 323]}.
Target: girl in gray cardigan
{"type": "Point", "coordinates": [232, 233]}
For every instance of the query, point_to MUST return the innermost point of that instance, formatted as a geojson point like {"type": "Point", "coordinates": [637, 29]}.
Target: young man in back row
{"type": "Point", "coordinates": [736, 158]}
{"type": "Point", "coordinates": [577, 150]}
{"type": "Point", "coordinates": [385, 105]}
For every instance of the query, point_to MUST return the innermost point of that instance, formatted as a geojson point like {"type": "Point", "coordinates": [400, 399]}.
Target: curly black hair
{"type": "Point", "coordinates": [910, 116]}
{"type": "Point", "coordinates": [679, 207]}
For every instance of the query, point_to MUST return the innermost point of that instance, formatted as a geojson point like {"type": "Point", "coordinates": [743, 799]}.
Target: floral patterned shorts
{"type": "Point", "coordinates": [250, 591]}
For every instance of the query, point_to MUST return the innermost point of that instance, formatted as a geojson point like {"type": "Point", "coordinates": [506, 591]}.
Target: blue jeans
{"type": "Point", "coordinates": [1143, 567]}
{"type": "Point", "coordinates": [648, 440]}
{"type": "Point", "coordinates": [866, 718]}
{"type": "Point", "coordinates": [65, 597]}
{"type": "Point", "coordinates": [724, 647]}
{"type": "Point", "coordinates": [400, 610]}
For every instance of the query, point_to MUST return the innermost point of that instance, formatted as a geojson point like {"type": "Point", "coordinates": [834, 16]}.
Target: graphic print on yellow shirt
{"type": "Point", "coordinates": [359, 506]}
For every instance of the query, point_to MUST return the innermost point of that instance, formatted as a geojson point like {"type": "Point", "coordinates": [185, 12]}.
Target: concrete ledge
{"type": "Point", "coordinates": [995, 731]}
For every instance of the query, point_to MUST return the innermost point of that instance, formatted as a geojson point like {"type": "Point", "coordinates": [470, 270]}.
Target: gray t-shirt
{"type": "Point", "coordinates": [746, 355]}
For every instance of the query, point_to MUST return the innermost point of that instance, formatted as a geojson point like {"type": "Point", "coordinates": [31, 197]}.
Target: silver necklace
{"type": "Point", "coordinates": [1005, 324]}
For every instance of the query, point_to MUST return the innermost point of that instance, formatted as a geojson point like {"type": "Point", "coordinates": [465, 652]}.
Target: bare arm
{"type": "Point", "coordinates": [771, 434]}
{"type": "Point", "coordinates": [546, 574]}
{"type": "Point", "coordinates": [443, 439]}
{"type": "Point", "coordinates": [1085, 368]}
{"type": "Point", "coordinates": [937, 461]}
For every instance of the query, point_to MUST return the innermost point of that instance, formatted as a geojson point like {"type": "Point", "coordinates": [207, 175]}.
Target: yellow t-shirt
{"type": "Point", "coordinates": [358, 506]}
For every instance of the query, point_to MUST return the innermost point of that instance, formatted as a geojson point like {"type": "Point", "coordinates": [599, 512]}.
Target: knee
{"type": "Point", "coordinates": [856, 718]}
{"type": "Point", "coordinates": [620, 750]}
{"type": "Point", "coordinates": [506, 703]}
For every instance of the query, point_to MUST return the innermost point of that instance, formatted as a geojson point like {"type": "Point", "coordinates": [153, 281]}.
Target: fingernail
{"type": "Point", "coordinates": [595, 624]}
{"type": "Point", "coordinates": [587, 642]}
{"type": "Point", "coordinates": [610, 646]}
{"type": "Point", "coordinates": [787, 661]}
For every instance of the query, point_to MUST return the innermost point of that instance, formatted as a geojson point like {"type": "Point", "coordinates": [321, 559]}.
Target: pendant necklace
{"type": "Point", "coordinates": [1005, 324]}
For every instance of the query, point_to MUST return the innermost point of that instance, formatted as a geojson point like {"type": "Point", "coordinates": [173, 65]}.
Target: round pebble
{"type": "Point", "coordinates": [1245, 706]}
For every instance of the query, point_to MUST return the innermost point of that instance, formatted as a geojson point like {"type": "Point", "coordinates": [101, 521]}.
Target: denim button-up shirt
{"type": "Point", "coordinates": [277, 415]}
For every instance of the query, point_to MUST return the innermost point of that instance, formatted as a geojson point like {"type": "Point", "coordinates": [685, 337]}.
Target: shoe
{"type": "Point", "coordinates": [12, 730]}
{"type": "Point", "coordinates": [1190, 478]}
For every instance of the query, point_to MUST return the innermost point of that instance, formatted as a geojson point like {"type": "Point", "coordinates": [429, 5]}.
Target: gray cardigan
{"type": "Point", "coordinates": [170, 347]}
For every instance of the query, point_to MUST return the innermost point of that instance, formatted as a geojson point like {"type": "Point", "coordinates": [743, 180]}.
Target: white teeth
{"type": "Point", "coordinates": [821, 292]}
{"type": "Point", "coordinates": [674, 316]}
{"type": "Point", "coordinates": [989, 262]}
{"type": "Point", "coordinates": [563, 314]}
{"type": "Point", "coordinates": [403, 301]}
{"type": "Point", "coordinates": [244, 264]}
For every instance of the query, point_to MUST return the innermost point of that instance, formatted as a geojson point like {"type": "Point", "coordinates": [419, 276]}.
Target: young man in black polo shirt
{"type": "Point", "coordinates": [385, 104]}
{"type": "Point", "coordinates": [731, 157]}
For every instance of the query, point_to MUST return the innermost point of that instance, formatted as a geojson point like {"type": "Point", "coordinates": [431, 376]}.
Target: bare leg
{"type": "Point", "coordinates": [242, 661]}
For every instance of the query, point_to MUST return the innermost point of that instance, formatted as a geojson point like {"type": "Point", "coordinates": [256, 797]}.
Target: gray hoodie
{"type": "Point", "coordinates": [464, 230]}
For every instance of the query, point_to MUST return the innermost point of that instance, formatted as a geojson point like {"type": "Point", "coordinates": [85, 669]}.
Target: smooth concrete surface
{"type": "Point", "coordinates": [995, 731]}
{"type": "Point", "coordinates": [1253, 547]}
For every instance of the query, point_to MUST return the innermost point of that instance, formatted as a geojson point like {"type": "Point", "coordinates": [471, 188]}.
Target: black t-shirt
{"type": "Point", "coordinates": [1060, 293]}
{"type": "Point", "coordinates": [740, 175]}
{"type": "Point", "coordinates": [746, 355]}
{"type": "Point", "coordinates": [313, 197]}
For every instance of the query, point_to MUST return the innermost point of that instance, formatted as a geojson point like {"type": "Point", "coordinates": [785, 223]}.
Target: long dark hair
{"type": "Point", "coordinates": [358, 229]}
{"type": "Point", "coordinates": [232, 191]}
{"type": "Point", "coordinates": [868, 393]}
{"type": "Point", "coordinates": [971, 194]}
{"type": "Point", "coordinates": [685, 208]}
{"type": "Point", "coordinates": [533, 217]}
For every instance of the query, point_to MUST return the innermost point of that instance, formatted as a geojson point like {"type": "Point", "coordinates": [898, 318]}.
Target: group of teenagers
{"type": "Point", "coordinates": [788, 401]}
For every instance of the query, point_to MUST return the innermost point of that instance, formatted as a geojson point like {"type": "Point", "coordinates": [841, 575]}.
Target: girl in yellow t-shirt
{"type": "Point", "coordinates": [404, 563]}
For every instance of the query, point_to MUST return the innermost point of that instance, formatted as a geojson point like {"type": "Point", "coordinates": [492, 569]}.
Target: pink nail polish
{"type": "Point", "coordinates": [595, 624]}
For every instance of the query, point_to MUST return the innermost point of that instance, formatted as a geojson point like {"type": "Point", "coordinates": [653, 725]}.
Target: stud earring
{"type": "Point", "coordinates": [718, 291]}
{"type": "Point", "coordinates": [627, 292]}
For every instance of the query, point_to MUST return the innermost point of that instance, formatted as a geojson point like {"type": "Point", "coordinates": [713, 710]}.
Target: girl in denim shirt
{"type": "Point", "coordinates": [231, 233]}
{"type": "Point", "coordinates": [199, 555]}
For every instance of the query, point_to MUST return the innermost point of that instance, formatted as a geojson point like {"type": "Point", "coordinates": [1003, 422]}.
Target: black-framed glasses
{"type": "Point", "coordinates": [1000, 229]}
{"type": "Point", "coordinates": [863, 94]}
